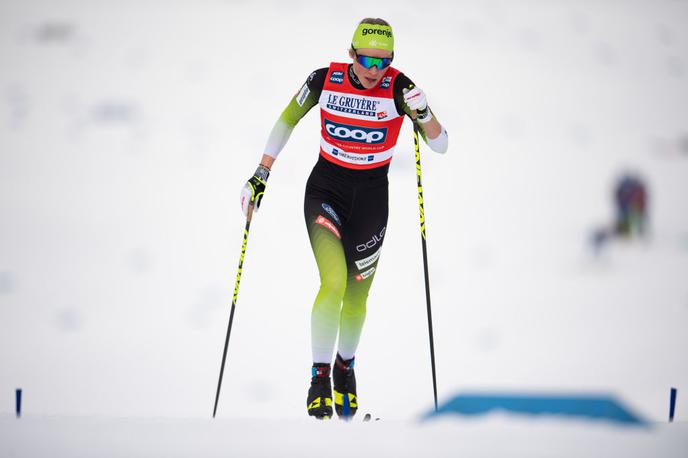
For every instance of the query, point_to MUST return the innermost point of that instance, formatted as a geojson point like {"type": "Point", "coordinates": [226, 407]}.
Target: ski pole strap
{"type": "Point", "coordinates": [424, 116]}
{"type": "Point", "coordinates": [262, 172]}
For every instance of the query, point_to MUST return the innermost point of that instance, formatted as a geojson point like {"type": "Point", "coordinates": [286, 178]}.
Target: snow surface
{"type": "Point", "coordinates": [266, 437]}
{"type": "Point", "coordinates": [127, 129]}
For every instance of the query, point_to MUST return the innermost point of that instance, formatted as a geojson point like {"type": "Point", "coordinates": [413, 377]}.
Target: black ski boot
{"type": "Point", "coordinates": [345, 401]}
{"type": "Point", "coordinates": [319, 399]}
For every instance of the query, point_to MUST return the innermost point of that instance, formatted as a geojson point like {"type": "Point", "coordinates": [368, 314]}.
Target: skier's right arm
{"type": "Point", "coordinates": [305, 99]}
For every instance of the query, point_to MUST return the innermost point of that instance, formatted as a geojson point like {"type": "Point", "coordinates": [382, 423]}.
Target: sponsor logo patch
{"type": "Point", "coordinates": [346, 103]}
{"type": "Point", "coordinates": [302, 95]}
{"type": "Point", "coordinates": [382, 115]}
{"type": "Point", "coordinates": [329, 225]}
{"type": "Point", "coordinates": [363, 275]}
{"type": "Point", "coordinates": [377, 238]}
{"type": "Point", "coordinates": [386, 33]}
{"type": "Point", "coordinates": [337, 77]}
{"type": "Point", "coordinates": [332, 213]}
{"type": "Point", "coordinates": [385, 82]}
{"type": "Point", "coordinates": [352, 157]}
{"type": "Point", "coordinates": [367, 262]}
{"type": "Point", "coordinates": [356, 134]}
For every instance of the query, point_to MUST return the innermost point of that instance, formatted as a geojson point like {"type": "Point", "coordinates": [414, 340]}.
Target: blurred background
{"type": "Point", "coordinates": [128, 128]}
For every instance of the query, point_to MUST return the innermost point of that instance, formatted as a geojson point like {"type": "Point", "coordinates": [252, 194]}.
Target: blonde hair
{"type": "Point", "coordinates": [374, 21]}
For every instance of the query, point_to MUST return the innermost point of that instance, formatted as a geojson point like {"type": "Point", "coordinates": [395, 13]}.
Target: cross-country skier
{"type": "Point", "coordinates": [630, 202]}
{"type": "Point", "coordinates": [630, 197]}
{"type": "Point", "coordinates": [362, 106]}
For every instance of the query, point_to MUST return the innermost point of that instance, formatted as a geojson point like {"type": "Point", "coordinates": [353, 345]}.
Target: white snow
{"type": "Point", "coordinates": [128, 128]}
{"type": "Point", "coordinates": [267, 437]}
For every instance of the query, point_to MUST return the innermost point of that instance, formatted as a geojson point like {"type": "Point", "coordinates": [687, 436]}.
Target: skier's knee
{"type": "Point", "coordinates": [333, 287]}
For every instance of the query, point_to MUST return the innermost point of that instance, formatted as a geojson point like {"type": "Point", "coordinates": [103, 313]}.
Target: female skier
{"type": "Point", "coordinates": [362, 106]}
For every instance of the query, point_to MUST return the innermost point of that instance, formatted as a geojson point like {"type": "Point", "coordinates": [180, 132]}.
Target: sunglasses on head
{"type": "Point", "coordinates": [369, 62]}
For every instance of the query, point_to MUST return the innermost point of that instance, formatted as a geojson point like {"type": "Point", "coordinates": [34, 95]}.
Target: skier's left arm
{"type": "Point", "coordinates": [413, 101]}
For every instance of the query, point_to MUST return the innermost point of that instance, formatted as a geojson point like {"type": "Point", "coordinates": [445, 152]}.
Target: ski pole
{"type": "Point", "coordinates": [234, 299]}
{"type": "Point", "coordinates": [425, 258]}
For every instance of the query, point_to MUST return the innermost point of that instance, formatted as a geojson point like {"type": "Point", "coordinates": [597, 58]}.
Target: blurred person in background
{"type": "Point", "coordinates": [630, 202]}
{"type": "Point", "coordinates": [362, 106]}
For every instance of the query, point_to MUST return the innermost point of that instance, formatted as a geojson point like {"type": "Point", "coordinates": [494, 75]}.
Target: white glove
{"type": "Point", "coordinates": [415, 99]}
{"type": "Point", "coordinates": [246, 195]}
{"type": "Point", "coordinates": [253, 190]}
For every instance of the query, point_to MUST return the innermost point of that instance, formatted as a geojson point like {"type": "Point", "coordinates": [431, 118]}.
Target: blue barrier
{"type": "Point", "coordinates": [581, 406]}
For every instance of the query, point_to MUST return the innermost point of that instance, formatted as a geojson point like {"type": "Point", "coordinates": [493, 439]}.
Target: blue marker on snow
{"type": "Point", "coordinates": [18, 395]}
{"type": "Point", "coordinates": [672, 404]}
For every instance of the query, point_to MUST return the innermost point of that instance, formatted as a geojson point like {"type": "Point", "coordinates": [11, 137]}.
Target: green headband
{"type": "Point", "coordinates": [373, 36]}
